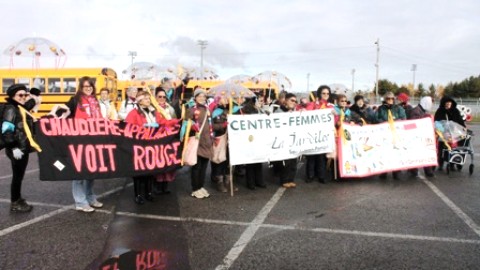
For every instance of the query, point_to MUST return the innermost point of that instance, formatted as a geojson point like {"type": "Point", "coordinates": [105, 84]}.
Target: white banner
{"type": "Point", "coordinates": [374, 149]}
{"type": "Point", "coordinates": [260, 138]}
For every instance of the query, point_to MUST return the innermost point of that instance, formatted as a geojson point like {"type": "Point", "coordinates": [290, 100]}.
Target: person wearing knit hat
{"type": "Point", "coordinates": [35, 99]}
{"type": "Point", "coordinates": [13, 89]}
{"type": "Point", "coordinates": [198, 119]}
{"type": "Point", "coordinates": [404, 98]}
{"type": "Point", "coordinates": [17, 142]}
{"type": "Point", "coordinates": [361, 112]}
{"type": "Point", "coordinates": [421, 111]}
{"type": "Point", "coordinates": [387, 112]}
{"type": "Point", "coordinates": [199, 91]}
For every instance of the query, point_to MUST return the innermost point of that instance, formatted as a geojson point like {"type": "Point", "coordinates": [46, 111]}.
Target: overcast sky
{"type": "Point", "coordinates": [326, 39]}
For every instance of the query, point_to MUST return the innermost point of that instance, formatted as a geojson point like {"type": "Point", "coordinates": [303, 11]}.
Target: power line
{"type": "Point", "coordinates": [416, 57]}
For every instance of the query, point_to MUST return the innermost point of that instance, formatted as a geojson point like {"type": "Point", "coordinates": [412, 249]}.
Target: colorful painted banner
{"type": "Point", "coordinates": [75, 149]}
{"type": "Point", "coordinates": [260, 138]}
{"type": "Point", "coordinates": [375, 149]}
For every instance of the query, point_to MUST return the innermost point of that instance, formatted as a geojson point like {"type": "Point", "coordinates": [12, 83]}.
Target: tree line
{"type": "Point", "coordinates": [468, 88]}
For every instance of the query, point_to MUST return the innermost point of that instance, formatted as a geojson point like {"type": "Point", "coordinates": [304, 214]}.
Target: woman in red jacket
{"type": "Point", "coordinates": [84, 105]}
{"type": "Point", "coordinates": [144, 115]}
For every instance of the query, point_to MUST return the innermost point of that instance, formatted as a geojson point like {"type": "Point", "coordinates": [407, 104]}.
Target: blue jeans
{"type": "Point", "coordinates": [82, 191]}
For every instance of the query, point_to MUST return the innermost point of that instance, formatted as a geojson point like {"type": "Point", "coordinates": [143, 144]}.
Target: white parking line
{"type": "Point", "coordinates": [51, 214]}
{"type": "Point", "coordinates": [375, 234]}
{"type": "Point", "coordinates": [248, 234]}
{"type": "Point", "coordinates": [454, 208]}
{"type": "Point", "coordinates": [10, 176]}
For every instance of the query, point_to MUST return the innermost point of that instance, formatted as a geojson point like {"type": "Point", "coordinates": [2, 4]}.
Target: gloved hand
{"type": "Point", "coordinates": [17, 153]}
{"type": "Point", "coordinates": [152, 125]}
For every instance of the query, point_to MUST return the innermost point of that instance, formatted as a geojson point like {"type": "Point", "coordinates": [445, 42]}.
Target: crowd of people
{"type": "Point", "coordinates": [208, 118]}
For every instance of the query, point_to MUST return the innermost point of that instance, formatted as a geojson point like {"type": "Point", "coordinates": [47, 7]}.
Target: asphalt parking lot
{"type": "Point", "coordinates": [352, 224]}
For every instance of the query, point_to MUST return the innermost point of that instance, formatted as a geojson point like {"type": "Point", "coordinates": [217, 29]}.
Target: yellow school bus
{"type": "Point", "coordinates": [57, 85]}
{"type": "Point", "coordinates": [268, 88]}
{"type": "Point", "coordinates": [152, 84]}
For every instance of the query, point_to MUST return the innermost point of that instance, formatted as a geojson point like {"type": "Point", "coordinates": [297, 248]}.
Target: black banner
{"type": "Point", "coordinates": [75, 149]}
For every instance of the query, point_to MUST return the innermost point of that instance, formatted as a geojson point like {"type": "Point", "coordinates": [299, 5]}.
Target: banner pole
{"type": "Point", "coordinates": [231, 181]}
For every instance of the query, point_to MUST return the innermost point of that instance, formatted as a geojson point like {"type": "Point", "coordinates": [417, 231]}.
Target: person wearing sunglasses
{"type": "Point", "coordinates": [144, 115]}
{"type": "Point", "coordinates": [168, 113]}
{"type": "Point", "coordinates": [316, 165]}
{"type": "Point", "coordinates": [342, 112]}
{"type": "Point", "coordinates": [384, 112]}
{"type": "Point", "coordinates": [287, 169]}
{"type": "Point", "coordinates": [17, 142]}
{"type": "Point", "coordinates": [84, 105]}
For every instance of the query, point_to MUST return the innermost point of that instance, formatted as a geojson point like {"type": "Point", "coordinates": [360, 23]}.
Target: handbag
{"type": "Point", "coordinates": [190, 154]}
{"type": "Point", "coordinates": [220, 149]}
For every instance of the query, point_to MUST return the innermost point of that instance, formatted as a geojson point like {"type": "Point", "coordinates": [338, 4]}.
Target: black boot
{"type": "Point", "coordinates": [148, 190]}
{"type": "Point", "coordinates": [20, 206]}
{"type": "Point", "coordinates": [164, 186]}
{"type": "Point", "coordinates": [220, 185]}
{"type": "Point", "coordinates": [139, 199]}
{"type": "Point", "coordinates": [157, 188]}
{"type": "Point", "coordinates": [136, 189]}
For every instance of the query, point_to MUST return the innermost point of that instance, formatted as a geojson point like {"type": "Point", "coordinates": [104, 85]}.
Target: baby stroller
{"type": "Point", "coordinates": [458, 142]}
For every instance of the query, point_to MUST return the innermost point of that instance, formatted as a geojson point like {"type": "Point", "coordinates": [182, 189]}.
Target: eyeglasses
{"type": "Point", "coordinates": [389, 98]}
{"type": "Point", "coordinates": [23, 95]}
{"type": "Point", "coordinates": [161, 96]}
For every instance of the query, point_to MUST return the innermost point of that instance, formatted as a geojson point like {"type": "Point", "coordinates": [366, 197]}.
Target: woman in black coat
{"type": "Point", "coordinates": [17, 142]}
{"type": "Point", "coordinates": [447, 110]}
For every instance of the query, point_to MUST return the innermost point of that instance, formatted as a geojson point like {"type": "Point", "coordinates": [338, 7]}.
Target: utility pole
{"type": "Point", "coordinates": [203, 45]}
{"type": "Point", "coordinates": [308, 83]}
{"type": "Point", "coordinates": [414, 68]}
{"type": "Point", "coordinates": [353, 81]}
{"type": "Point", "coordinates": [132, 54]}
{"type": "Point", "coordinates": [378, 67]}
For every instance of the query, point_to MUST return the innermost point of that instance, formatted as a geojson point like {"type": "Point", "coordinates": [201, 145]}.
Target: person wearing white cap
{"type": "Point", "coordinates": [422, 110]}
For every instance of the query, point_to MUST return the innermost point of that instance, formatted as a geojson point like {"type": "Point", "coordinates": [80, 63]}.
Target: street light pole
{"type": "Point", "coordinates": [132, 54]}
{"type": "Point", "coordinates": [414, 68]}
{"type": "Point", "coordinates": [353, 81]}
{"type": "Point", "coordinates": [377, 66]}
{"type": "Point", "coordinates": [203, 45]}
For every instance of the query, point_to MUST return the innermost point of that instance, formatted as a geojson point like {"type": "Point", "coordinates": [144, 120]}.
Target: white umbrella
{"type": "Point", "coordinates": [35, 47]}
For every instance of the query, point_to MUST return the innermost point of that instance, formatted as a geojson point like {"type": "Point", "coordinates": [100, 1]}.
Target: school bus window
{"type": "Point", "coordinates": [7, 82]}
{"type": "Point", "coordinates": [70, 85]}
{"type": "Point", "coordinates": [109, 83]}
{"type": "Point", "coordinates": [39, 83]}
{"type": "Point", "coordinates": [25, 81]}
{"type": "Point", "coordinates": [54, 85]}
